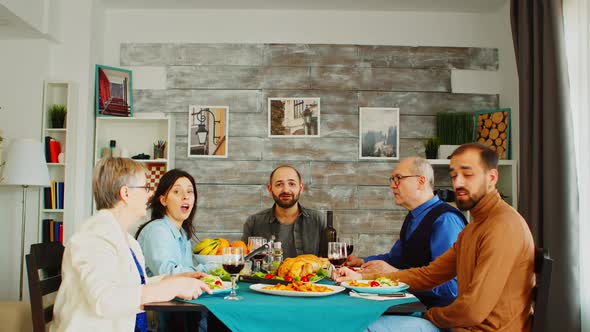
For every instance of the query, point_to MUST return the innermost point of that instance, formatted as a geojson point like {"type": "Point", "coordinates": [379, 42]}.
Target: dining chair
{"type": "Point", "coordinates": [543, 267]}
{"type": "Point", "coordinates": [44, 272]}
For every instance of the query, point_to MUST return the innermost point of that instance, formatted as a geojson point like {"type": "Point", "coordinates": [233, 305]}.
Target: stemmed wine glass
{"type": "Point", "coordinates": [349, 244]}
{"type": "Point", "coordinates": [337, 254]}
{"type": "Point", "coordinates": [233, 263]}
{"type": "Point", "coordinates": [255, 242]}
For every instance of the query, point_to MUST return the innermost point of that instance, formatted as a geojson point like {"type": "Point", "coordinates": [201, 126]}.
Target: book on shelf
{"type": "Point", "coordinates": [54, 195]}
{"type": "Point", "coordinates": [47, 154]}
{"type": "Point", "coordinates": [52, 230]}
{"type": "Point", "coordinates": [45, 230]}
{"type": "Point", "coordinates": [60, 190]}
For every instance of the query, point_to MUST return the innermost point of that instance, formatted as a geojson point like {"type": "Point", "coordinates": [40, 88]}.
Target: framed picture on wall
{"type": "Point", "coordinates": [493, 129]}
{"type": "Point", "coordinates": [379, 133]}
{"type": "Point", "coordinates": [207, 131]}
{"type": "Point", "coordinates": [112, 94]}
{"type": "Point", "coordinates": [293, 117]}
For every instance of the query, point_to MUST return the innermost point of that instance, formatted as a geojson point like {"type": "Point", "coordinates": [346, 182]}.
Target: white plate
{"type": "Point", "coordinates": [226, 288]}
{"type": "Point", "coordinates": [376, 290]}
{"type": "Point", "coordinates": [260, 288]}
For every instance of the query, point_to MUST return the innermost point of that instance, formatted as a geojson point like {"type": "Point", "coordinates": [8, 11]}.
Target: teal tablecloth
{"type": "Point", "coordinates": [263, 312]}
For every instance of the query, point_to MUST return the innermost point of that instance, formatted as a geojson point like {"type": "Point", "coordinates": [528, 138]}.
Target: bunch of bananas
{"type": "Point", "coordinates": [210, 246]}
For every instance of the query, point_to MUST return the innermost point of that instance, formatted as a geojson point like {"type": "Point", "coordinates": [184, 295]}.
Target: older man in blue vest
{"type": "Point", "coordinates": [430, 228]}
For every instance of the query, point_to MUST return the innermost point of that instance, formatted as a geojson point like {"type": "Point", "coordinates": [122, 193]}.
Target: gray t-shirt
{"type": "Point", "coordinates": [301, 237]}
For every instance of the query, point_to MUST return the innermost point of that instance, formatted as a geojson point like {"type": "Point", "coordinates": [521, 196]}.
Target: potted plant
{"type": "Point", "coordinates": [453, 129]}
{"type": "Point", "coordinates": [57, 114]}
{"type": "Point", "coordinates": [431, 147]}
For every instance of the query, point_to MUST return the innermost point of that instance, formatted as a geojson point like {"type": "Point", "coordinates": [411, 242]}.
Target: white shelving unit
{"type": "Point", "coordinates": [56, 92]}
{"type": "Point", "coordinates": [136, 135]}
{"type": "Point", "coordinates": [507, 182]}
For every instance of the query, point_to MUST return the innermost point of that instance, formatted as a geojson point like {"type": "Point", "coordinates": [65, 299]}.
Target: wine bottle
{"type": "Point", "coordinates": [329, 235]}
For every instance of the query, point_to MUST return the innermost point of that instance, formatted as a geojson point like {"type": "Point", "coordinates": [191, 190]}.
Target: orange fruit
{"type": "Point", "coordinates": [223, 243]}
{"type": "Point", "coordinates": [240, 244]}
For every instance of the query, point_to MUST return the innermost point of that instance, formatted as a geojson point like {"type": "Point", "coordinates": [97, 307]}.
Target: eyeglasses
{"type": "Point", "coordinates": [146, 188]}
{"type": "Point", "coordinates": [397, 178]}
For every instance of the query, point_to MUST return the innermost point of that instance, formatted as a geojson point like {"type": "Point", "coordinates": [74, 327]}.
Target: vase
{"type": "Point", "coordinates": [431, 154]}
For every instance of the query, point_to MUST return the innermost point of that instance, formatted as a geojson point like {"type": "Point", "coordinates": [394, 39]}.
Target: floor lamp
{"type": "Point", "coordinates": [26, 167]}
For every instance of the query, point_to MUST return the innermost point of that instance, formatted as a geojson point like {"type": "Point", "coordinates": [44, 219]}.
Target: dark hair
{"type": "Point", "coordinates": [489, 157]}
{"type": "Point", "coordinates": [159, 211]}
{"type": "Point", "coordinates": [283, 166]}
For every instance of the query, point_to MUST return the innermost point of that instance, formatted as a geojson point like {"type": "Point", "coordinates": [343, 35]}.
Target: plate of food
{"type": "Point", "coordinates": [377, 286]}
{"type": "Point", "coordinates": [217, 285]}
{"type": "Point", "coordinates": [298, 289]}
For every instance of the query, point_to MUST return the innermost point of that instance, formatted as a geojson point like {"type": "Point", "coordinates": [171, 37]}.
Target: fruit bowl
{"type": "Point", "coordinates": [204, 259]}
{"type": "Point", "coordinates": [211, 262]}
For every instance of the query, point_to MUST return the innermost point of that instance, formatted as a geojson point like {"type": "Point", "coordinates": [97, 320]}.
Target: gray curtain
{"type": "Point", "coordinates": [548, 196]}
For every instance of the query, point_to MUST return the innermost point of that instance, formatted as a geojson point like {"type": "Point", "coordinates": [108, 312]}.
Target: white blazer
{"type": "Point", "coordinates": [101, 287]}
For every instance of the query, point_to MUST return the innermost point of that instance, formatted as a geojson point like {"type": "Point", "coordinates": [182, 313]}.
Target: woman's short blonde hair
{"type": "Point", "coordinates": [110, 174]}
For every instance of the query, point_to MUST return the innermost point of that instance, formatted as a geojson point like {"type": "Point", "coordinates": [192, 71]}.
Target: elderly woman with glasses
{"type": "Point", "coordinates": [104, 281]}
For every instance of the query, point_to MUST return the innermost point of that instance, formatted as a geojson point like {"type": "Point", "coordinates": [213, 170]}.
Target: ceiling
{"type": "Point", "coordinates": [13, 27]}
{"type": "Point", "coordinates": [470, 6]}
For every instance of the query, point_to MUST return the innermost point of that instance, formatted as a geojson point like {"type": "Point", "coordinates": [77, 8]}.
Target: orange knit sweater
{"type": "Point", "coordinates": [493, 260]}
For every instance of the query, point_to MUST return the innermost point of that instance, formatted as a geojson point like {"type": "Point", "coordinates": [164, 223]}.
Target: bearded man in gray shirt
{"type": "Point", "coordinates": [299, 229]}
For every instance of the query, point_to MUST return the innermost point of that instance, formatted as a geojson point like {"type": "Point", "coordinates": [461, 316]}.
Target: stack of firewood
{"type": "Point", "coordinates": [492, 130]}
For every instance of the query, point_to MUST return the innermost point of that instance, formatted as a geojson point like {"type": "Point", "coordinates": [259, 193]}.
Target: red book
{"type": "Point", "coordinates": [54, 150]}
{"type": "Point", "coordinates": [61, 232]}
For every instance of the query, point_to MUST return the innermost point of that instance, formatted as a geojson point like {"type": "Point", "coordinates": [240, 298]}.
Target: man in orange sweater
{"type": "Point", "coordinates": [493, 257]}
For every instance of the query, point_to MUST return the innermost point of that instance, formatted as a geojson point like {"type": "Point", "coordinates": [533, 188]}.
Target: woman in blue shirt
{"type": "Point", "coordinates": [165, 239]}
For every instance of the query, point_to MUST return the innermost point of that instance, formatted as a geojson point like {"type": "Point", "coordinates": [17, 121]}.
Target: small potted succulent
{"type": "Point", "coordinates": [57, 115]}
{"type": "Point", "coordinates": [431, 145]}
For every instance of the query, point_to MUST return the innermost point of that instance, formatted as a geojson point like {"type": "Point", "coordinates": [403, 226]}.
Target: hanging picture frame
{"type": "Point", "coordinates": [492, 128]}
{"type": "Point", "coordinates": [207, 131]}
{"type": "Point", "coordinates": [294, 117]}
{"type": "Point", "coordinates": [113, 87]}
{"type": "Point", "coordinates": [379, 133]}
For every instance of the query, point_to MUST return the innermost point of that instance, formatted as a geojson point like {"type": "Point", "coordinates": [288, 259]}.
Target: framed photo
{"type": "Point", "coordinates": [492, 128]}
{"type": "Point", "coordinates": [379, 133]}
{"type": "Point", "coordinates": [207, 131]}
{"type": "Point", "coordinates": [112, 94]}
{"type": "Point", "coordinates": [293, 117]}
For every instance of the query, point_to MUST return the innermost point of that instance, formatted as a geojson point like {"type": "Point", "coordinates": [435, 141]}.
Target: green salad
{"type": "Point", "coordinates": [220, 272]}
{"type": "Point", "coordinates": [214, 282]}
{"type": "Point", "coordinates": [385, 282]}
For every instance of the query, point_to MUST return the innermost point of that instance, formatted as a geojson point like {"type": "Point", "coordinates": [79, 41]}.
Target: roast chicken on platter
{"type": "Point", "coordinates": [302, 265]}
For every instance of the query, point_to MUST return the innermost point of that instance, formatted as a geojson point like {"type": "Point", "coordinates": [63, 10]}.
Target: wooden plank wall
{"type": "Point", "coordinates": [345, 77]}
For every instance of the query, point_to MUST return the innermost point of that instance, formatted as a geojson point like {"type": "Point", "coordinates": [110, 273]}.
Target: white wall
{"type": "Point", "coordinates": [24, 65]}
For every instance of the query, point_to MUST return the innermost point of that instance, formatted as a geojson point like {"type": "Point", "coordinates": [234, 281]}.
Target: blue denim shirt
{"type": "Point", "coordinates": [167, 250]}
{"type": "Point", "coordinates": [445, 230]}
